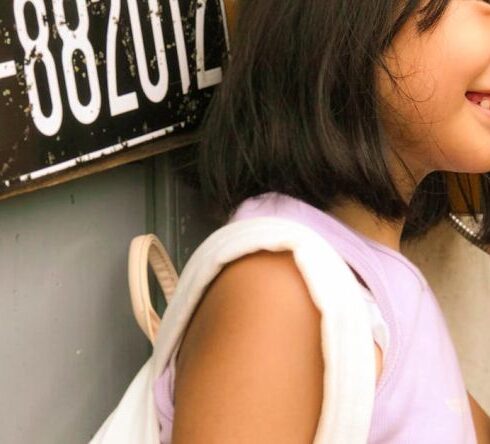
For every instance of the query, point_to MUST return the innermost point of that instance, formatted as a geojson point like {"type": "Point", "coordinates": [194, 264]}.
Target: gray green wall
{"type": "Point", "coordinates": [69, 342]}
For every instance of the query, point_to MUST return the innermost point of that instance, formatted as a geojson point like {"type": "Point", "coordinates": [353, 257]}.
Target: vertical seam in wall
{"type": "Point", "coordinates": [166, 181]}
{"type": "Point", "coordinates": [150, 195]}
{"type": "Point", "coordinates": [177, 228]}
{"type": "Point", "coordinates": [150, 218]}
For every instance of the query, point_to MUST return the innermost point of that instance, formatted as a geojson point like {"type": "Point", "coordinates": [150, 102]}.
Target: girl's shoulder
{"type": "Point", "coordinates": [252, 348]}
{"type": "Point", "coordinates": [250, 304]}
{"type": "Point", "coordinates": [247, 291]}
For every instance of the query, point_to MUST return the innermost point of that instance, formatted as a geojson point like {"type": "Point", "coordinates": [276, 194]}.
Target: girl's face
{"type": "Point", "coordinates": [430, 122]}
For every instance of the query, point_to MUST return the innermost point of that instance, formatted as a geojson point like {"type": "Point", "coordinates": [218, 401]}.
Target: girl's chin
{"type": "Point", "coordinates": [469, 164]}
{"type": "Point", "coordinates": [473, 169]}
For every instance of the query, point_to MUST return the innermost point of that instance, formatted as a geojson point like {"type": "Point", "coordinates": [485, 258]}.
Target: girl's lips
{"type": "Point", "coordinates": [479, 108]}
{"type": "Point", "coordinates": [477, 97]}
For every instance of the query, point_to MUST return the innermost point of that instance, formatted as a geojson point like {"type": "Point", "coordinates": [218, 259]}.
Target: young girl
{"type": "Point", "coordinates": [342, 115]}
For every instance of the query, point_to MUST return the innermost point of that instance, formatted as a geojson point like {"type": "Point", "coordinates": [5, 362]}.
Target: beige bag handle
{"type": "Point", "coordinates": [143, 249]}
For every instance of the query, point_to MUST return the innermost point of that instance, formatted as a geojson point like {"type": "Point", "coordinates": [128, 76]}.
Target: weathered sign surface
{"type": "Point", "coordinates": [83, 81]}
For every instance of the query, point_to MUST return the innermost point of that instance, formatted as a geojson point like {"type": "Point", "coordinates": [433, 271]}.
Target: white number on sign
{"type": "Point", "coordinates": [210, 77]}
{"type": "Point", "coordinates": [77, 40]}
{"type": "Point", "coordinates": [154, 92]}
{"type": "Point", "coordinates": [118, 104]}
{"type": "Point", "coordinates": [180, 43]}
{"type": "Point", "coordinates": [38, 48]}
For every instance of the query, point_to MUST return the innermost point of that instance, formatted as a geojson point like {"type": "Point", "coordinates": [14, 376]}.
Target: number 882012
{"type": "Point", "coordinates": [76, 40]}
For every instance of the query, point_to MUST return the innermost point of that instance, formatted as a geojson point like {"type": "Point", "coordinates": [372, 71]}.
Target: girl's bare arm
{"type": "Point", "coordinates": [481, 421]}
{"type": "Point", "coordinates": [250, 369]}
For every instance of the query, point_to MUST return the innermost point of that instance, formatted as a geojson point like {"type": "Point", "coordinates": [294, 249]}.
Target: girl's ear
{"type": "Point", "coordinates": [464, 193]}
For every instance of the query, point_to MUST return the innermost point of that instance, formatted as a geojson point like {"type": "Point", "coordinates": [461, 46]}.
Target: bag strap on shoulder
{"type": "Point", "coordinates": [347, 338]}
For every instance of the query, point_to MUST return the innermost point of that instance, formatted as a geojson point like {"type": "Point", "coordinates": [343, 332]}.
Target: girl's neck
{"type": "Point", "coordinates": [365, 222]}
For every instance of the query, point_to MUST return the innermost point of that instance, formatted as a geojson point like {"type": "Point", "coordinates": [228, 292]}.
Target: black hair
{"type": "Point", "coordinates": [297, 112]}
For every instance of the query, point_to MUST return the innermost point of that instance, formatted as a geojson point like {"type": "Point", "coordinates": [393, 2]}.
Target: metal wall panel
{"type": "Point", "coordinates": [181, 219]}
{"type": "Point", "coordinates": [70, 345]}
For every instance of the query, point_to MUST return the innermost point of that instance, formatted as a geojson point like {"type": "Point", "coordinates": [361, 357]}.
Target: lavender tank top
{"type": "Point", "coordinates": [420, 397]}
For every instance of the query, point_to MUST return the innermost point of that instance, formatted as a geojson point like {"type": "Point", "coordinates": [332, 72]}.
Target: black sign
{"type": "Point", "coordinates": [83, 79]}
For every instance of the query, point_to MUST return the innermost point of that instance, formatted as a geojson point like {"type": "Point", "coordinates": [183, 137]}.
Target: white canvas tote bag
{"type": "Point", "coordinates": [347, 337]}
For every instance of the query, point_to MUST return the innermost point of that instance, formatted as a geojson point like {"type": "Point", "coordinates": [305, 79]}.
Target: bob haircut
{"type": "Point", "coordinates": [297, 111]}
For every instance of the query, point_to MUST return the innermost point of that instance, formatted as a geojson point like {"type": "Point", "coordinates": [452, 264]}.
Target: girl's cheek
{"type": "Point", "coordinates": [467, 37]}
